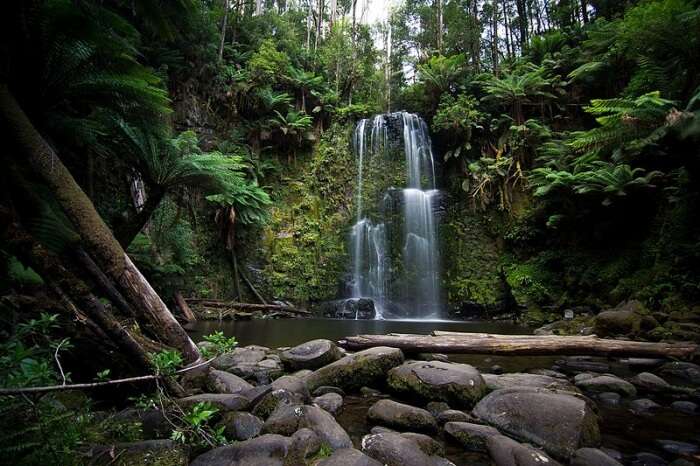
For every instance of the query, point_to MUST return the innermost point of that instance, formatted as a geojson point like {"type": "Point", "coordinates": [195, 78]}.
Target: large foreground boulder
{"type": "Point", "coordinates": [457, 384]}
{"type": "Point", "coordinates": [401, 416]}
{"type": "Point", "coordinates": [364, 368]}
{"type": "Point", "coordinates": [473, 437]}
{"type": "Point", "coordinates": [311, 355]}
{"type": "Point", "coordinates": [559, 422]}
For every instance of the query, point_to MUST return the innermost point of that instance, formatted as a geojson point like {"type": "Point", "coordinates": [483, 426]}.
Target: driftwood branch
{"type": "Point", "coordinates": [211, 303]}
{"type": "Point", "coordinates": [82, 386]}
{"type": "Point", "coordinates": [484, 343]}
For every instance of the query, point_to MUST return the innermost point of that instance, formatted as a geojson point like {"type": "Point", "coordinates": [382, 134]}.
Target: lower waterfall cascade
{"type": "Point", "coordinates": [405, 277]}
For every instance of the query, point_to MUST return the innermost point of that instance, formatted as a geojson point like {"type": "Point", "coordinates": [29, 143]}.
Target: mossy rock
{"type": "Point", "coordinates": [457, 384]}
{"type": "Point", "coordinates": [365, 368]}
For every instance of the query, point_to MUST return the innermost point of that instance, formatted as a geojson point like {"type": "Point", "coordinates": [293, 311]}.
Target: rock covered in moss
{"type": "Point", "coordinates": [472, 437]}
{"type": "Point", "coordinates": [351, 372]}
{"type": "Point", "coordinates": [559, 422]}
{"type": "Point", "coordinates": [456, 384]}
{"type": "Point", "coordinates": [311, 355]}
{"type": "Point", "coordinates": [401, 416]}
{"type": "Point", "coordinates": [629, 318]}
{"type": "Point", "coordinates": [223, 402]}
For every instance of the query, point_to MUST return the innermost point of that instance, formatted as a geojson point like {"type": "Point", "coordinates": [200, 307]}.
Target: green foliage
{"type": "Point", "coordinates": [166, 362]}
{"type": "Point", "coordinates": [218, 344]}
{"type": "Point", "coordinates": [197, 427]}
{"type": "Point", "coordinates": [268, 63]}
{"type": "Point", "coordinates": [459, 117]}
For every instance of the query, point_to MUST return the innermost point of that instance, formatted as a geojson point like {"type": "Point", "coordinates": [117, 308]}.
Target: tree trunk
{"type": "Point", "coordinates": [484, 343]}
{"type": "Point", "coordinates": [522, 23]}
{"type": "Point", "coordinates": [96, 236]}
{"type": "Point", "coordinates": [65, 283]}
{"type": "Point", "coordinates": [184, 307]}
{"type": "Point", "coordinates": [439, 26]}
{"type": "Point", "coordinates": [494, 37]}
{"type": "Point", "coordinates": [126, 232]}
{"type": "Point", "coordinates": [223, 31]}
{"type": "Point", "coordinates": [584, 11]}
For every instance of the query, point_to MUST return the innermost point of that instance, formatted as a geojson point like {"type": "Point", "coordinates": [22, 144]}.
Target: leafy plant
{"type": "Point", "coordinates": [166, 362]}
{"type": "Point", "coordinates": [218, 344]}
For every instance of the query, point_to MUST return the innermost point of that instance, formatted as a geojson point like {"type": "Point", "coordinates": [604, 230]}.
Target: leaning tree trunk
{"type": "Point", "coordinates": [96, 236]}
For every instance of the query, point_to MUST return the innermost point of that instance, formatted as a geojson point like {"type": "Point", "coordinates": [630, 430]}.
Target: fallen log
{"type": "Point", "coordinates": [484, 343]}
{"type": "Point", "coordinates": [245, 306]}
{"type": "Point", "coordinates": [184, 308]}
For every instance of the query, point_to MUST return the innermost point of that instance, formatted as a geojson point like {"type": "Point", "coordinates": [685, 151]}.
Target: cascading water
{"type": "Point", "coordinates": [413, 284]}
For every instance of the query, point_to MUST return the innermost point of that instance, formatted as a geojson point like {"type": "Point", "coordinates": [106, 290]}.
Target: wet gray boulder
{"type": "Point", "coordinates": [429, 445]}
{"type": "Point", "coordinates": [326, 389]}
{"type": "Point", "coordinates": [686, 371]}
{"type": "Point", "coordinates": [243, 355]}
{"type": "Point", "coordinates": [457, 384]}
{"type": "Point", "coordinates": [351, 372]}
{"type": "Point", "coordinates": [687, 407]}
{"type": "Point", "coordinates": [452, 415]}
{"type": "Point", "coordinates": [305, 443]}
{"type": "Point", "coordinates": [241, 425]}
{"type": "Point", "coordinates": [515, 380]}
{"type": "Point", "coordinates": [644, 407]}
{"type": "Point", "coordinates": [352, 308]}
{"type": "Point", "coordinates": [288, 419]}
{"type": "Point", "coordinates": [224, 382]}
{"type": "Point", "coordinates": [292, 384]}
{"type": "Point", "coordinates": [592, 457]}
{"type": "Point", "coordinates": [392, 449]}
{"type": "Point", "coordinates": [607, 383]}
{"type": "Point", "coordinates": [331, 402]}
{"type": "Point", "coordinates": [505, 451]}
{"type": "Point", "coordinates": [273, 400]}
{"type": "Point", "coordinates": [401, 416]}
{"type": "Point", "coordinates": [349, 457]}
{"type": "Point", "coordinates": [559, 422]}
{"type": "Point", "coordinates": [472, 437]}
{"type": "Point", "coordinates": [310, 355]}
{"type": "Point", "coordinates": [224, 402]}
{"type": "Point", "coordinates": [651, 383]}
{"type": "Point", "coordinates": [266, 450]}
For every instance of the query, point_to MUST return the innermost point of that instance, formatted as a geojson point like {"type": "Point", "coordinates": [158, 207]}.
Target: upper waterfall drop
{"type": "Point", "coordinates": [394, 242]}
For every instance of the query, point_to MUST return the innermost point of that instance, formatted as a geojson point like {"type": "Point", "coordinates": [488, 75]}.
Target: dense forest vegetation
{"type": "Point", "coordinates": [160, 149]}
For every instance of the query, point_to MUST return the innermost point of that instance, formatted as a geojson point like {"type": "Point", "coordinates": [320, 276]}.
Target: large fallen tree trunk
{"type": "Point", "coordinates": [97, 238]}
{"type": "Point", "coordinates": [245, 306]}
{"type": "Point", "coordinates": [485, 343]}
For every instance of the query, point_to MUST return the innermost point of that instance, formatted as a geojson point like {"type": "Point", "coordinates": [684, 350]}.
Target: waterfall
{"type": "Point", "coordinates": [413, 284]}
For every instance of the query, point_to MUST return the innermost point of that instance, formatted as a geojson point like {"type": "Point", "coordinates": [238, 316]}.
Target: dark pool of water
{"type": "Point", "coordinates": [289, 332]}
